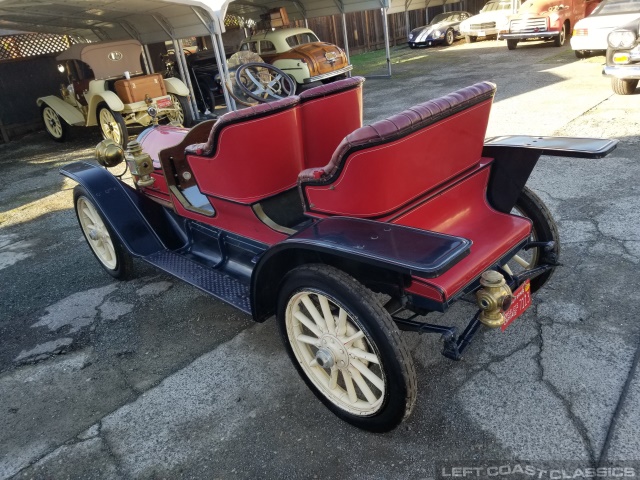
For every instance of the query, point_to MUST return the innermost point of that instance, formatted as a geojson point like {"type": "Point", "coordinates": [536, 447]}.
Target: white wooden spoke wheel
{"type": "Point", "coordinates": [113, 126]}
{"type": "Point", "coordinates": [113, 257]}
{"type": "Point", "coordinates": [53, 123]}
{"type": "Point", "coordinates": [177, 114]}
{"type": "Point", "coordinates": [346, 347]}
{"type": "Point", "coordinates": [335, 353]}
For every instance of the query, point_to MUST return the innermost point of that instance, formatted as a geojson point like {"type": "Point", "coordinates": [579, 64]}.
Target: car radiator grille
{"type": "Point", "coordinates": [528, 25]}
{"type": "Point", "coordinates": [483, 26]}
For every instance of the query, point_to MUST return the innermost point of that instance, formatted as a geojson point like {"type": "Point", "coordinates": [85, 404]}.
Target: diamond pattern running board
{"type": "Point", "coordinates": [209, 280]}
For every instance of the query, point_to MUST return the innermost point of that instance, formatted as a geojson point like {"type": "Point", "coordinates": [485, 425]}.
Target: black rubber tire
{"type": "Point", "coordinates": [449, 37]}
{"type": "Point", "coordinates": [581, 53]}
{"type": "Point", "coordinates": [470, 39]}
{"type": "Point", "coordinates": [183, 102]}
{"type": "Point", "coordinates": [54, 124]}
{"type": "Point", "coordinates": [124, 262]}
{"type": "Point", "coordinates": [562, 37]}
{"type": "Point", "coordinates": [380, 331]}
{"type": "Point", "coordinates": [120, 124]}
{"type": "Point", "coordinates": [413, 47]}
{"type": "Point", "coordinates": [512, 44]}
{"type": "Point", "coordinates": [622, 86]}
{"type": "Point", "coordinates": [544, 229]}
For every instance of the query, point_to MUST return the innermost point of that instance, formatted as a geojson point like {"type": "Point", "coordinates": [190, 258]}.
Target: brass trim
{"type": "Point", "coordinates": [264, 218]}
{"type": "Point", "coordinates": [187, 205]}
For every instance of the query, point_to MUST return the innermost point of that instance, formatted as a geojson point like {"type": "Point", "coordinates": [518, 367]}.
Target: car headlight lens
{"type": "Point", "coordinates": [622, 39]}
{"type": "Point", "coordinates": [554, 17]}
{"type": "Point", "coordinates": [437, 33]}
{"type": "Point", "coordinates": [411, 36]}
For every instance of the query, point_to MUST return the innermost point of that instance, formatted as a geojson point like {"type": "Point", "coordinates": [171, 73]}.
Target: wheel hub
{"type": "Point", "coordinates": [336, 350]}
{"type": "Point", "coordinates": [93, 234]}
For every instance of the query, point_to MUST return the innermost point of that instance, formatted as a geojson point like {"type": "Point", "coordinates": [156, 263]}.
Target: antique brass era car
{"type": "Point", "coordinates": [107, 87]}
{"type": "Point", "coordinates": [346, 233]}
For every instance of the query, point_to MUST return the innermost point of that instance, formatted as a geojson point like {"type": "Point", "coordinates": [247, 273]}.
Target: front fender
{"type": "Point", "coordinates": [121, 206]}
{"type": "Point", "coordinates": [67, 112]}
{"type": "Point", "coordinates": [112, 101]}
{"type": "Point", "coordinates": [176, 86]}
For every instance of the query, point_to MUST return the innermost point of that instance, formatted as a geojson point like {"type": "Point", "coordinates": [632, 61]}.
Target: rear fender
{"type": "Point", "coordinates": [121, 206]}
{"type": "Point", "coordinates": [112, 101]}
{"type": "Point", "coordinates": [176, 86]}
{"type": "Point", "coordinates": [67, 112]}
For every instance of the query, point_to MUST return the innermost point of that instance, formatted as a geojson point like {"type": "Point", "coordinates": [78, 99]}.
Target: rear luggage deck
{"type": "Point", "coordinates": [212, 281]}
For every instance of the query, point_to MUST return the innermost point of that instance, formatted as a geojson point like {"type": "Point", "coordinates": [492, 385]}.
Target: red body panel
{"type": "Point", "coordinates": [462, 210]}
{"type": "Point", "coordinates": [378, 180]}
{"type": "Point", "coordinates": [156, 139]}
{"type": "Point", "coordinates": [254, 159]}
{"type": "Point", "coordinates": [325, 121]}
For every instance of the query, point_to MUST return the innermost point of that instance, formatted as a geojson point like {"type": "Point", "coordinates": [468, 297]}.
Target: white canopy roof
{"type": "Point", "coordinates": [149, 20]}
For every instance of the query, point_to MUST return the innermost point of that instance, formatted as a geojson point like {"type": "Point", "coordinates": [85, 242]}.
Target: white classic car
{"type": "Point", "coordinates": [493, 17]}
{"type": "Point", "coordinates": [107, 87]}
{"type": "Point", "coordinates": [590, 34]}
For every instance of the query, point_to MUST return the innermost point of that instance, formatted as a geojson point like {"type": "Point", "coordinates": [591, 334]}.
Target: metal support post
{"type": "Point", "coordinates": [192, 97]}
{"type": "Point", "coordinates": [385, 24]}
{"type": "Point", "coordinates": [147, 55]}
{"type": "Point", "coordinates": [346, 39]}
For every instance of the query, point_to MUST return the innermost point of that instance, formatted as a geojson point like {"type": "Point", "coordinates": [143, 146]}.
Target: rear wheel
{"type": "Point", "coordinates": [621, 86]}
{"type": "Point", "coordinates": [181, 113]}
{"type": "Point", "coordinates": [346, 347]}
{"type": "Point", "coordinates": [512, 44]}
{"type": "Point", "coordinates": [105, 245]}
{"type": "Point", "coordinates": [560, 39]}
{"type": "Point", "coordinates": [113, 126]}
{"type": "Point", "coordinates": [56, 127]}
{"type": "Point", "coordinates": [449, 37]}
{"type": "Point", "coordinates": [544, 230]}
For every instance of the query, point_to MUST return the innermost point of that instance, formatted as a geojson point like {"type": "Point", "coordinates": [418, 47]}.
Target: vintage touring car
{"type": "Point", "coordinates": [347, 233]}
{"type": "Point", "coordinates": [107, 87]}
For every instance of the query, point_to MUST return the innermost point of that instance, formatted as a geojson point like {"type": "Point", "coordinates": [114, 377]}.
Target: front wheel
{"type": "Point", "coordinates": [449, 37]}
{"type": "Point", "coordinates": [56, 127]}
{"type": "Point", "coordinates": [113, 126]}
{"type": "Point", "coordinates": [512, 44]}
{"type": "Point", "coordinates": [559, 40]}
{"type": "Point", "coordinates": [346, 347]}
{"type": "Point", "coordinates": [544, 229]}
{"type": "Point", "coordinates": [621, 86]}
{"type": "Point", "coordinates": [105, 245]}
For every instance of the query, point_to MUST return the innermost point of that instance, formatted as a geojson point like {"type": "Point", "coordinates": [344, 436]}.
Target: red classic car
{"type": "Point", "coordinates": [347, 233]}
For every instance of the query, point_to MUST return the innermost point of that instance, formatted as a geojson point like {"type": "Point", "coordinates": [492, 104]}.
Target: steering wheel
{"type": "Point", "coordinates": [263, 82]}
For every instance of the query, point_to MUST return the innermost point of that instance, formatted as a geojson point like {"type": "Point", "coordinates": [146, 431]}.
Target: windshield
{"type": "Point", "coordinates": [440, 18]}
{"type": "Point", "coordinates": [301, 39]}
{"type": "Point", "coordinates": [495, 6]}
{"type": "Point", "coordinates": [611, 7]}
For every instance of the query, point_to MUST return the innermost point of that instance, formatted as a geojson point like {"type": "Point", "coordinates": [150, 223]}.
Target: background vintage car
{"type": "Point", "coordinates": [590, 33]}
{"type": "Point", "coordinates": [623, 58]}
{"type": "Point", "coordinates": [299, 53]}
{"type": "Point", "coordinates": [493, 17]}
{"type": "Point", "coordinates": [107, 87]}
{"type": "Point", "coordinates": [444, 28]}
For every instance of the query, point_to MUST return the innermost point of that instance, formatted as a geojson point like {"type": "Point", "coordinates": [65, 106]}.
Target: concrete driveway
{"type": "Point", "coordinates": [152, 379]}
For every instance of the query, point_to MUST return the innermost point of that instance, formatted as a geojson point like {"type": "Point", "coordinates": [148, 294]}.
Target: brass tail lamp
{"type": "Point", "coordinates": [494, 298]}
{"type": "Point", "coordinates": [110, 154]}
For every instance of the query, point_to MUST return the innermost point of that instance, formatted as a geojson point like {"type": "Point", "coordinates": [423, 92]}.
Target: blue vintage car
{"type": "Point", "coordinates": [444, 28]}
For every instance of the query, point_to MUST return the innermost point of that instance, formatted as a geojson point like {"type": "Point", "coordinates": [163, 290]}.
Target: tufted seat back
{"type": "Point", "coordinates": [380, 167]}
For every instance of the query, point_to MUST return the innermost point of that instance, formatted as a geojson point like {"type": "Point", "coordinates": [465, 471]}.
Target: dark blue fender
{"type": "Point", "coordinates": [373, 252]}
{"type": "Point", "coordinates": [121, 206]}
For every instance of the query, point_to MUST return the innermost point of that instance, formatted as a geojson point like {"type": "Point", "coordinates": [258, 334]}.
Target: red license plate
{"type": "Point", "coordinates": [164, 103]}
{"type": "Point", "coordinates": [521, 301]}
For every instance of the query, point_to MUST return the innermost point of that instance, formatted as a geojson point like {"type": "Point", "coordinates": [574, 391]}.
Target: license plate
{"type": "Point", "coordinates": [520, 303]}
{"type": "Point", "coordinates": [164, 103]}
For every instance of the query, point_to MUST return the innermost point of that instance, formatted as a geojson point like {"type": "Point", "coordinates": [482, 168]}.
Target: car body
{"type": "Point", "coordinates": [444, 28]}
{"type": "Point", "coordinates": [549, 20]}
{"type": "Point", "coordinates": [300, 54]}
{"type": "Point", "coordinates": [107, 87]}
{"type": "Point", "coordinates": [492, 18]}
{"type": "Point", "coordinates": [590, 34]}
{"type": "Point", "coordinates": [347, 233]}
{"type": "Point", "coordinates": [623, 58]}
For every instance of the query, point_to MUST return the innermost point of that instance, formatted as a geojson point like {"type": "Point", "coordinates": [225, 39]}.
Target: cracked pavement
{"type": "Point", "coordinates": [153, 379]}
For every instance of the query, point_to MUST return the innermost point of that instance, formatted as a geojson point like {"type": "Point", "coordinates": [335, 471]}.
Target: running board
{"type": "Point", "coordinates": [214, 282]}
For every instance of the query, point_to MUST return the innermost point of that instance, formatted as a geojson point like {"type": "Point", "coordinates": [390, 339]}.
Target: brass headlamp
{"type": "Point", "coordinates": [140, 164]}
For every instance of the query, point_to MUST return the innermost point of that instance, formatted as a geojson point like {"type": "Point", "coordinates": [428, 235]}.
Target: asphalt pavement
{"type": "Point", "coordinates": [151, 378]}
